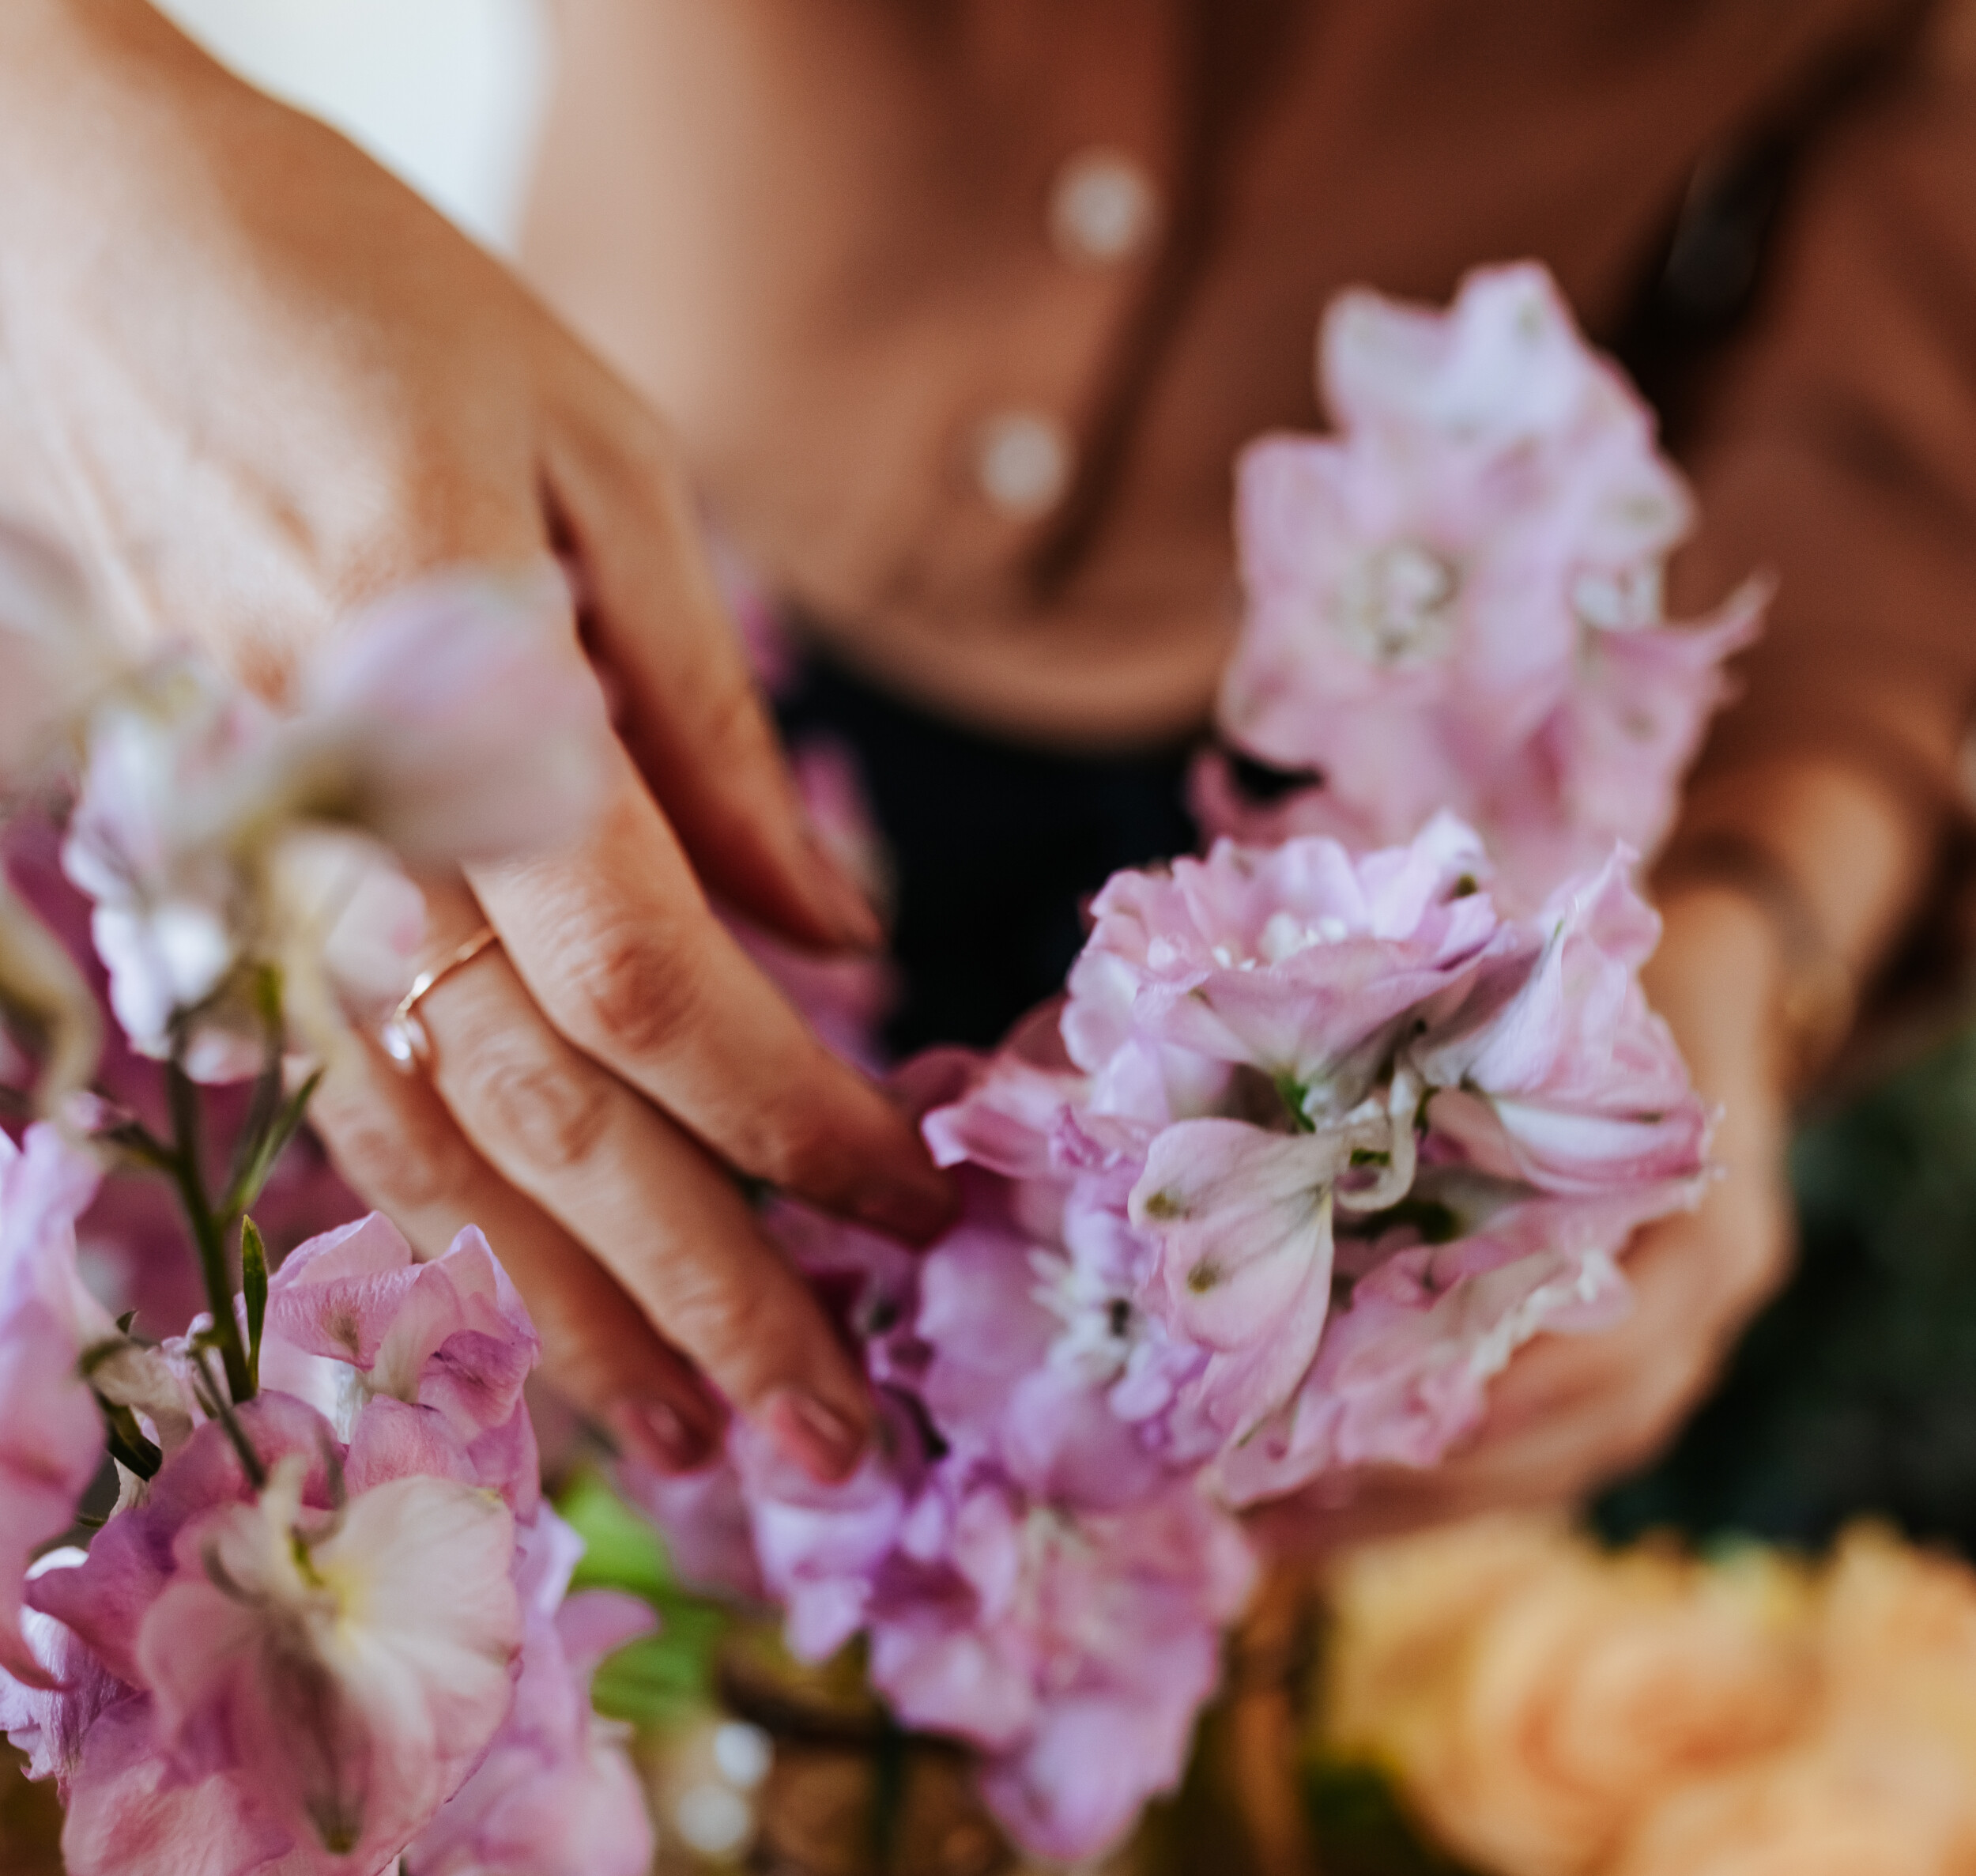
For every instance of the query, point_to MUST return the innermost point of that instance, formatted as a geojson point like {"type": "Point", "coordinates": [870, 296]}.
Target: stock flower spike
{"type": "Point", "coordinates": [1454, 603]}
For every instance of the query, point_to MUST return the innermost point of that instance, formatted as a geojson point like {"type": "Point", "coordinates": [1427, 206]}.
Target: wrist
{"type": "Point", "coordinates": [1829, 864]}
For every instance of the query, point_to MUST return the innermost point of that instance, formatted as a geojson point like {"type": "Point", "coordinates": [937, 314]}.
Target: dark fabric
{"type": "Point", "coordinates": [996, 850]}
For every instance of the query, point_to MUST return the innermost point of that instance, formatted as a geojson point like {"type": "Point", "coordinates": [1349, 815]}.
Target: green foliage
{"type": "Point", "coordinates": [254, 1292]}
{"type": "Point", "coordinates": [662, 1679]}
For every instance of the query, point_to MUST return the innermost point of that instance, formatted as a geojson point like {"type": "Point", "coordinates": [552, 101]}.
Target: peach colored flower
{"type": "Point", "coordinates": [1858, 1806]}
{"type": "Point", "coordinates": [1579, 1690]}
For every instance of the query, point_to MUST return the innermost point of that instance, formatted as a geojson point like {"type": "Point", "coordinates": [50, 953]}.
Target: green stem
{"type": "Point", "coordinates": [208, 1232]}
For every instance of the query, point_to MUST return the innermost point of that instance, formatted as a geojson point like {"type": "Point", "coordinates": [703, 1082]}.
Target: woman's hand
{"type": "Point", "coordinates": [257, 378]}
{"type": "Point", "coordinates": [1574, 1411]}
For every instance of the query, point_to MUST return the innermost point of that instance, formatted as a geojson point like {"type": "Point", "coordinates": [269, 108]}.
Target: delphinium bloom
{"type": "Point", "coordinates": [296, 1644]}
{"type": "Point", "coordinates": [1314, 1143]}
{"type": "Point", "coordinates": [1454, 602]}
{"type": "Point", "coordinates": [1476, 1157]}
{"type": "Point", "coordinates": [423, 1360]}
{"type": "Point", "coordinates": [328, 1588]}
{"type": "Point", "coordinates": [1072, 1645]}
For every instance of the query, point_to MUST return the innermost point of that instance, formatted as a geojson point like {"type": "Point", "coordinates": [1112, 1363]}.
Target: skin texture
{"type": "Point", "coordinates": [267, 384]}
{"type": "Point", "coordinates": [254, 378]}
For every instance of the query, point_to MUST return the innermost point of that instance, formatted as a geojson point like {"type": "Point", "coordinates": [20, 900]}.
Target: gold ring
{"type": "Point", "coordinates": [401, 1033]}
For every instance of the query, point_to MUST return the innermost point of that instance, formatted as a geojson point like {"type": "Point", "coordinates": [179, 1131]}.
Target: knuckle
{"type": "Point", "coordinates": [391, 1158]}
{"type": "Point", "coordinates": [799, 1146]}
{"type": "Point", "coordinates": [627, 990]}
{"type": "Point", "coordinates": [550, 1119]}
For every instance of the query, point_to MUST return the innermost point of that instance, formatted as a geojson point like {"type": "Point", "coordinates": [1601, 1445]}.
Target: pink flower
{"type": "Point", "coordinates": [223, 844]}
{"type": "Point", "coordinates": [1242, 1220]}
{"type": "Point", "coordinates": [1035, 1359]}
{"type": "Point", "coordinates": [199, 881]}
{"type": "Point", "coordinates": [47, 1717]}
{"type": "Point", "coordinates": [820, 1548]}
{"type": "Point", "coordinates": [278, 1673]}
{"type": "Point", "coordinates": [420, 1364]}
{"type": "Point", "coordinates": [1403, 1371]}
{"type": "Point", "coordinates": [1573, 1085]}
{"type": "Point", "coordinates": [51, 1432]}
{"type": "Point", "coordinates": [1035, 1632]}
{"type": "Point", "coordinates": [1456, 604]}
{"type": "Point", "coordinates": [1294, 962]}
{"type": "Point", "coordinates": [555, 1794]}
{"type": "Point", "coordinates": [349, 1669]}
{"type": "Point", "coordinates": [455, 720]}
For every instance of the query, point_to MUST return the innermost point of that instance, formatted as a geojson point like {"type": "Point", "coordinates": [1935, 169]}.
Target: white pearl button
{"type": "Point", "coordinates": [1022, 462]}
{"type": "Point", "coordinates": [1103, 208]}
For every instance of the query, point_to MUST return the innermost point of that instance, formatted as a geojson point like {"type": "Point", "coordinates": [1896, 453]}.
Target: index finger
{"type": "Point", "coordinates": [617, 944]}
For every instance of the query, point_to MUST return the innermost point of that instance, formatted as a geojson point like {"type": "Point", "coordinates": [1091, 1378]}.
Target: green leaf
{"type": "Point", "coordinates": [257, 1164]}
{"type": "Point", "coordinates": [659, 1680]}
{"type": "Point", "coordinates": [253, 1291]}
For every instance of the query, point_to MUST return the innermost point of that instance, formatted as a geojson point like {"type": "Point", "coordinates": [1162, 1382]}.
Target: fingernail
{"type": "Point", "coordinates": [826, 1444]}
{"type": "Point", "coordinates": [917, 1211]}
{"type": "Point", "coordinates": [849, 913]}
{"type": "Point", "coordinates": [657, 1433]}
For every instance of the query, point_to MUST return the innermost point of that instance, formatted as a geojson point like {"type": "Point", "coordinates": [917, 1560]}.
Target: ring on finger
{"type": "Point", "coordinates": [404, 1037]}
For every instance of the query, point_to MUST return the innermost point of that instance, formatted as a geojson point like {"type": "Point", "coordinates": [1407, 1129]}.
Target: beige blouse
{"type": "Point", "coordinates": [962, 308]}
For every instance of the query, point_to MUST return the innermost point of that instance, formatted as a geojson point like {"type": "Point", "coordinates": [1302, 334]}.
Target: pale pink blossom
{"type": "Point", "coordinates": [51, 1432]}
{"type": "Point", "coordinates": [48, 1716]}
{"type": "Point", "coordinates": [420, 1365]}
{"type": "Point", "coordinates": [1035, 1362]}
{"type": "Point", "coordinates": [225, 844]}
{"type": "Point", "coordinates": [1573, 1084]}
{"type": "Point", "coordinates": [1455, 603]}
{"type": "Point", "coordinates": [1403, 1371]}
{"type": "Point", "coordinates": [1036, 1631]}
{"type": "Point", "coordinates": [200, 884]}
{"type": "Point", "coordinates": [1293, 962]}
{"type": "Point", "coordinates": [555, 1794]}
{"type": "Point", "coordinates": [455, 720]}
{"type": "Point", "coordinates": [348, 1668]}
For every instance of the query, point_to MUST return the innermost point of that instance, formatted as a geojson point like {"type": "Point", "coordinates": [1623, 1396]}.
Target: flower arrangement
{"type": "Point", "coordinates": [1326, 1124]}
{"type": "Point", "coordinates": [1548, 1708]}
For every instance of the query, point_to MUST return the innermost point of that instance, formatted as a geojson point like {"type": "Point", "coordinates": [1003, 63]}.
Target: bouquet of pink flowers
{"type": "Point", "coordinates": [1327, 1124]}
{"type": "Point", "coordinates": [1323, 1130]}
